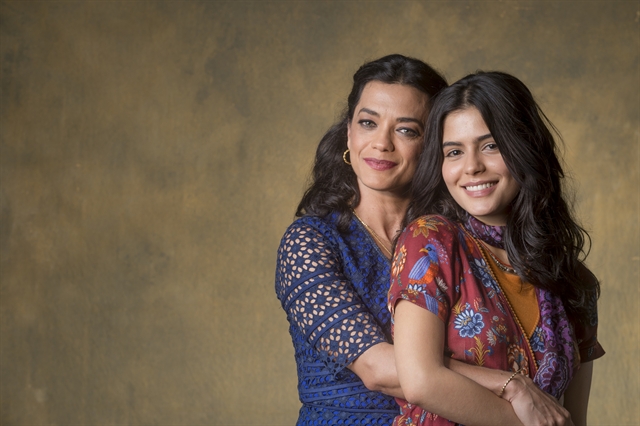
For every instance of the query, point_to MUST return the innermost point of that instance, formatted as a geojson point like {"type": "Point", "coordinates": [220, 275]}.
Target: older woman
{"type": "Point", "coordinates": [489, 269]}
{"type": "Point", "coordinates": [332, 274]}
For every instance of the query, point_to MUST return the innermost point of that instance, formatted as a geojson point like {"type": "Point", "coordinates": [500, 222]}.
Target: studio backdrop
{"type": "Point", "coordinates": [152, 153]}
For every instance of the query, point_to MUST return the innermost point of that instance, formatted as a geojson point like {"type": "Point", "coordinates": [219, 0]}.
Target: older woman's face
{"type": "Point", "coordinates": [385, 137]}
{"type": "Point", "coordinates": [473, 168]}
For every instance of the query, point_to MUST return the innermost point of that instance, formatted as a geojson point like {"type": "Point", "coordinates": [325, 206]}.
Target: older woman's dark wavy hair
{"type": "Point", "coordinates": [334, 187]}
{"type": "Point", "coordinates": [542, 239]}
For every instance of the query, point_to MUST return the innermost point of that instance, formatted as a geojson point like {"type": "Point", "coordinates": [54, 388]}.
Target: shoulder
{"type": "Point", "coordinates": [586, 331]}
{"type": "Point", "coordinates": [309, 225]}
{"type": "Point", "coordinates": [592, 285]}
{"type": "Point", "coordinates": [588, 279]}
{"type": "Point", "coordinates": [310, 233]}
{"type": "Point", "coordinates": [432, 231]}
{"type": "Point", "coordinates": [307, 246]}
{"type": "Point", "coordinates": [432, 235]}
{"type": "Point", "coordinates": [426, 265]}
{"type": "Point", "coordinates": [435, 220]}
{"type": "Point", "coordinates": [432, 227]}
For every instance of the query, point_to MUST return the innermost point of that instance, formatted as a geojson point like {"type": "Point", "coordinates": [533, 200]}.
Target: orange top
{"type": "Point", "coordinates": [521, 296]}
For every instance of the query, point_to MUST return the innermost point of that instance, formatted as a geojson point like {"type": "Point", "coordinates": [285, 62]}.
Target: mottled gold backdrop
{"type": "Point", "coordinates": [153, 153]}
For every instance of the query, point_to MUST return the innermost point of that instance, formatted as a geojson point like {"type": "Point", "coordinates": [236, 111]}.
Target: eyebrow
{"type": "Point", "coordinates": [478, 139]}
{"type": "Point", "coordinates": [399, 120]}
{"type": "Point", "coordinates": [410, 120]}
{"type": "Point", "coordinates": [369, 111]}
{"type": "Point", "coordinates": [447, 144]}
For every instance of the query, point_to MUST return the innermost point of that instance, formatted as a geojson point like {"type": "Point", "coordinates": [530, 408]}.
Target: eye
{"type": "Point", "coordinates": [406, 131]}
{"type": "Point", "coordinates": [492, 146]}
{"type": "Point", "coordinates": [452, 153]}
{"type": "Point", "coordinates": [367, 124]}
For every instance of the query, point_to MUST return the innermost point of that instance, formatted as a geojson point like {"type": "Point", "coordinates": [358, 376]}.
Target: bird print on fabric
{"type": "Point", "coordinates": [426, 268]}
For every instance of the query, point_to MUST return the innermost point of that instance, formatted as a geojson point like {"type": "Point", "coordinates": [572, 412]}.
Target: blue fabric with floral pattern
{"type": "Point", "coordinates": [333, 287]}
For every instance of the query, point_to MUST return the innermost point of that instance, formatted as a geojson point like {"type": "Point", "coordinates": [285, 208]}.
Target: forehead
{"type": "Point", "coordinates": [393, 98]}
{"type": "Point", "coordinates": [464, 124]}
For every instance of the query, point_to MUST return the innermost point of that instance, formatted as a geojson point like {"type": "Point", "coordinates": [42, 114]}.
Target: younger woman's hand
{"type": "Point", "coordinates": [533, 406]}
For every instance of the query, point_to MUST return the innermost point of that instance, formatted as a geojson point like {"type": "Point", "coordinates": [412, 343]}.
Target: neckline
{"type": "Point", "coordinates": [506, 268]}
{"type": "Point", "coordinates": [373, 237]}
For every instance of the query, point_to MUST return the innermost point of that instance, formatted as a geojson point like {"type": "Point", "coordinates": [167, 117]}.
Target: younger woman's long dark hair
{"type": "Point", "coordinates": [334, 187]}
{"type": "Point", "coordinates": [544, 242]}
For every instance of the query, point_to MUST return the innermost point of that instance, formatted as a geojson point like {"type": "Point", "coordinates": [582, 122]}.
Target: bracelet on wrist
{"type": "Point", "coordinates": [507, 382]}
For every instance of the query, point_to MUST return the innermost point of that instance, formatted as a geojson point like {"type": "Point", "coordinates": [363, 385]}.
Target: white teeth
{"type": "Point", "coordinates": [479, 187]}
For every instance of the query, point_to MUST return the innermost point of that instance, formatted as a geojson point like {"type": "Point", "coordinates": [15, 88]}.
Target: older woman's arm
{"type": "Point", "coordinates": [376, 367]}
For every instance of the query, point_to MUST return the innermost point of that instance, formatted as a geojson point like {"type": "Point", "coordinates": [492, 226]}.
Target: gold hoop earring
{"type": "Point", "coordinates": [344, 157]}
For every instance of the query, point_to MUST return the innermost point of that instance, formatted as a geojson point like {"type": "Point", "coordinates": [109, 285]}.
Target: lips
{"type": "Point", "coordinates": [380, 165]}
{"type": "Point", "coordinates": [479, 187]}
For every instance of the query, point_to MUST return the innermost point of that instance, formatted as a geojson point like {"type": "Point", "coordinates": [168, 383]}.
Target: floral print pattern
{"type": "Point", "coordinates": [440, 267]}
{"type": "Point", "coordinates": [398, 261]}
{"type": "Point", "coordinates": [537, 340]}
{"type": "Point", "coordinates": [517, 359]}
{"type": "Point", "coordinates": [468, 323]}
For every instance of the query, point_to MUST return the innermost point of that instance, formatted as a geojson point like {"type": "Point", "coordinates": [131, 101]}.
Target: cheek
{"type": "Point", "coordinates": [352, 138]}
{"type": "Point", "coordinates": [504, 171]}
{"type": "Point", "coordinates": [498, 166]}
{"type": "Point", "coordinates": [448, 174]}
{"type": "Point", "coordinates": [413, 156]}
{"type": "Point", "coordinates": [513, 188]}
{"type": "Point", "coordinates": [357, 140]}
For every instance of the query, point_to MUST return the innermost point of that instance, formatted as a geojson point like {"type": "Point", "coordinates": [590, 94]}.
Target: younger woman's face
{"type": "Point", "coordinates": [473, 168]}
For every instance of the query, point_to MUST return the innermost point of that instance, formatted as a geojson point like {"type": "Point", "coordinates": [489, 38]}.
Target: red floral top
{"type": "Point", "coordinates": [438, 265]}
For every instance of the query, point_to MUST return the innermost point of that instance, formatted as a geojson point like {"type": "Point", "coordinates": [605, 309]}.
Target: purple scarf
{"type": "Point", "coordinates": [491, 235]}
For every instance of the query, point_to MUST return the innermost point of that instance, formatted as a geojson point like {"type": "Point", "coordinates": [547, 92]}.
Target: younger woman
{"type": "Point", "coordinates": [492, 275]}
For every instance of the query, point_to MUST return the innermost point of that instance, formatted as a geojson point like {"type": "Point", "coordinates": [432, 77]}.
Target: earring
{"type": "Point", "coordinates": [344, 157]}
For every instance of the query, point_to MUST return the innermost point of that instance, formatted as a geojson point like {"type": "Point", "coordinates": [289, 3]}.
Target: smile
{"type": "Point", "coordinates": [479, 187]}
{"type": "Point", "coordinates": [380, 165]}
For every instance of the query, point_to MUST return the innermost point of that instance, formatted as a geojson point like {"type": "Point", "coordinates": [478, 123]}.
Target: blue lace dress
{"type": "Point", "coordinates": [333, 288]}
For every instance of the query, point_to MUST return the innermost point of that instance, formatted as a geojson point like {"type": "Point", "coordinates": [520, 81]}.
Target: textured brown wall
{"type": "Point", "coordinates": [153, 152]}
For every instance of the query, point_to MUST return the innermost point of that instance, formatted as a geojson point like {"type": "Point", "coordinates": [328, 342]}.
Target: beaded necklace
{"type": "Point", "coordinates": [506, 268]}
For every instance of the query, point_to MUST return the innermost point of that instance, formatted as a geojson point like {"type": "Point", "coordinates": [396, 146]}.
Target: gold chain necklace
{"type": "Point", "coordinates": [374, 235]}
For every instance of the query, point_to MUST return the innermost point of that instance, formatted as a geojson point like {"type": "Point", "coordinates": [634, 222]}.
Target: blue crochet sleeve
{"type": "Point", "coordinates": [320, 301]}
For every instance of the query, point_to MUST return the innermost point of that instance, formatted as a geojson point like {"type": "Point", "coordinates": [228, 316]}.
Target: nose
{"type": "Point", "coordinates": [473, 163]}
{"type": "Point", "coordinates": [384, 141]}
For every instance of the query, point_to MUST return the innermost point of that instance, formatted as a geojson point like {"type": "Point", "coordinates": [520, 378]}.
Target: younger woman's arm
{"type": "Point", "coordinates": [377, 369]}
{"type": "Point", "coordinates": [532, 405]}
{"type": "Point", "coordinates": [576, 398]}
{"type": "Point", "coordinates": [427, 382]}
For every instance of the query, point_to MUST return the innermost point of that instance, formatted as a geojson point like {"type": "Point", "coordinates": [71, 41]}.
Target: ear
{"type": "Point", "coordinates": [349, 134]}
